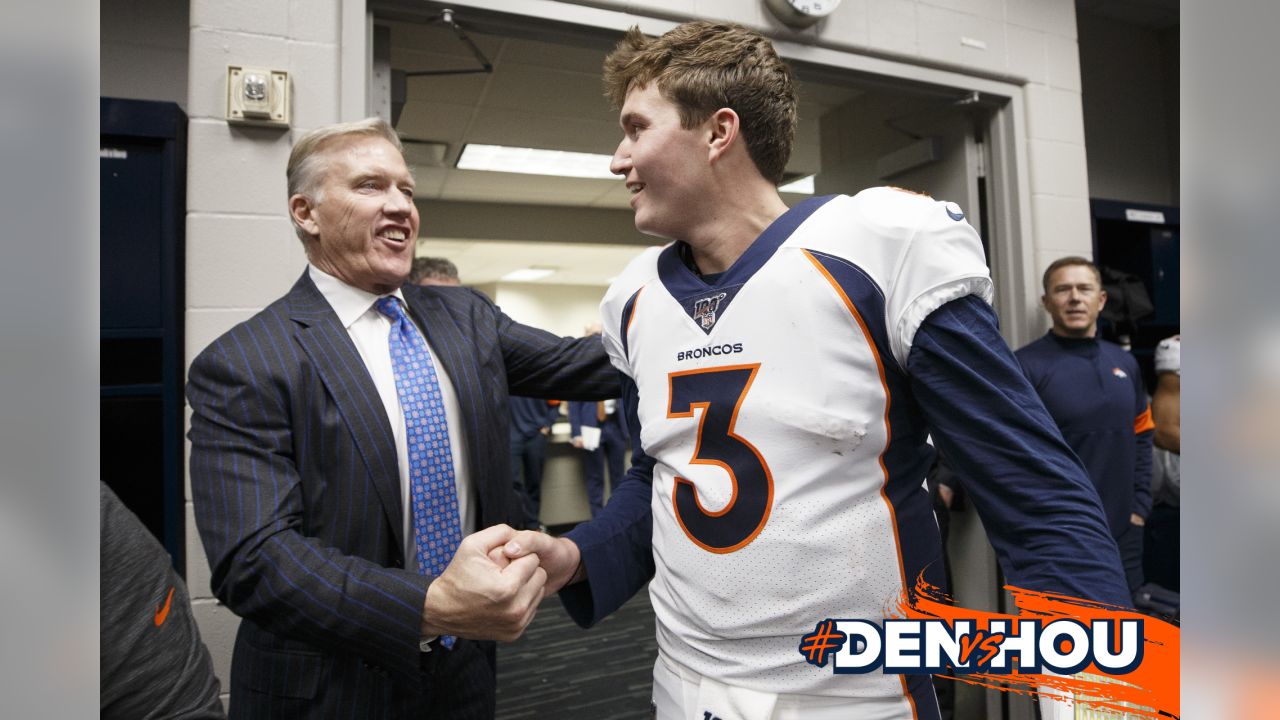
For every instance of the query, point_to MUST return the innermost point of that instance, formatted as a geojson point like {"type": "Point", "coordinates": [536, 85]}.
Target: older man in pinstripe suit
{"type": "Point", "coordinates": [299, 471]}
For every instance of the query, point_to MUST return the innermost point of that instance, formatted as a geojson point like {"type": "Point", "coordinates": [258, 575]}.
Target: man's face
{"type": "Point", "coordinates": [665, 166]}
{"type": "Point", "coordinates": [365, 225]}
{"type": "Point", "coordinates": [1074, 299]}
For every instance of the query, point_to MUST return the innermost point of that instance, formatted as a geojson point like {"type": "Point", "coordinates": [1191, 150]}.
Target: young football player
{"type": "Point", "coordinates": [782, 369]}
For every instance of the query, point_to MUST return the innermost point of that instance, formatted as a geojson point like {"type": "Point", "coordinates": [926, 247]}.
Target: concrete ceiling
{"type": "Point", "coordinates": [545, 91]}
{"type": "Point", "coordinates": [1153, 14]}
{"type": "Point", "coordinates": [546, 95]}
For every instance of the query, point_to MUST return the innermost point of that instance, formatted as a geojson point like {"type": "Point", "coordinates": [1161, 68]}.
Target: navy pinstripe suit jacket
{"type": "Point", "coordinates": [297, 493]}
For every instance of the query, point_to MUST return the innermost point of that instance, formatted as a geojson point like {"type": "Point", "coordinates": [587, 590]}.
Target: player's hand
{"type": "Point", "coordinates": [480, 598]}
{"type": "Point", "coordinates": [560, 557]}
{"type": "Point", "coordinates": [1136, 519]}
{"type": "Point", "coordinates": [576, 442]}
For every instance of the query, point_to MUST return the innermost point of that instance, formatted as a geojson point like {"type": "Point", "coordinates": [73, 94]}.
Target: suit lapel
{"type": "Point", "coordinates": [442, 333]}
{"type": "Point", "coordinates": [344, 374]}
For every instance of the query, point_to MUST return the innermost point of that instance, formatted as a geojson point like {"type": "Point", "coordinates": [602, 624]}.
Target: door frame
{"type": "Point", "coordinates": [1008, 195]}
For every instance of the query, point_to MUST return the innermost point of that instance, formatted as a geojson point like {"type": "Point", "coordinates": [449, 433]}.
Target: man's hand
{"type": "Point", "coordinates": [1136, 519]}
{"type": "Point", "coordinates": [576, 442]}
{"type": "Point", "coordinates": [559, 557]}
{"type": "Point", "coordinates": [947, 494]}
{"type": "Point", "coordinates": [478, 598]}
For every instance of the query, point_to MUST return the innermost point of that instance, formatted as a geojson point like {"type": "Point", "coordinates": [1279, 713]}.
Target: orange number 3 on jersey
{"type": "Point", "coordinates": [719, 393]}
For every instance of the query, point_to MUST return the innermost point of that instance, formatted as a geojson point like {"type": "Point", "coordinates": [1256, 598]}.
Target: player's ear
{"type": "Point", "coordinates": [724, 126]}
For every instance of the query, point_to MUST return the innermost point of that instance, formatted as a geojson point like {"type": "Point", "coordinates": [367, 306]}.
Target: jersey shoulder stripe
{"type": "Point", "coordinates": [918, 251]}
{"type": "Point", "coordinates": [620, 300]}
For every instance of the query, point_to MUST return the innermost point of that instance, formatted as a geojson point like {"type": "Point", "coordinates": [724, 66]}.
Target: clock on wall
{"type": "Point", "coordinates": [801, 13]}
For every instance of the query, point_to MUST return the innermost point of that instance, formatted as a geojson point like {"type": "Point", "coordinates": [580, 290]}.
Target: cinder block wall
{"type": "Point", "coordinates": [241, 250]}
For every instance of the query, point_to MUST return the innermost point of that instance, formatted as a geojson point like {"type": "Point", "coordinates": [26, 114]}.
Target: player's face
{"type": "Point", "coordinates": [365, 224]}
{"type": "Point", "coordinates": [1074, 301]}
{"type": "Point", "coordinates": [666, 167]}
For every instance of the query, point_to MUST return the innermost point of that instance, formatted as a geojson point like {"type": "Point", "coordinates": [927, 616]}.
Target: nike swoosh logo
{"type": "Point", "coordinates": [956, 214]}
{"type": "Point", "coordinates": [162, 613]}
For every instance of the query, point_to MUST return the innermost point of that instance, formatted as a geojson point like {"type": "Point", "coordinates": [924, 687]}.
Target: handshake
{"type": "Point", "coordinates": [495, 582]}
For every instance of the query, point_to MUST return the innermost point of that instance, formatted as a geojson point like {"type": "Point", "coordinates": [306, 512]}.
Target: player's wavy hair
{"type": "Point", "coordinates": [704, 66]}
{"type": "Point", "coordinates": [309, 163]}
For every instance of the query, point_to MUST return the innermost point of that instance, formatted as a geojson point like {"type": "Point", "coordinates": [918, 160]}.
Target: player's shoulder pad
{"type": "Point", "coordinates": [875, 227]}
{"type": "Point", "coordinates": [895, 205]}
{"type": "Point", "coordinates": [639, 272]}
{"type": "Point", "coordinates": [908, 191]}
{"type": "Point", "coordinates": [923, 254]}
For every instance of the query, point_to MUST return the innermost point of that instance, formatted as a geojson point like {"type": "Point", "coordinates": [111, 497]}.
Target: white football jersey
{"type": "Point", "coordinates": [789, 456]}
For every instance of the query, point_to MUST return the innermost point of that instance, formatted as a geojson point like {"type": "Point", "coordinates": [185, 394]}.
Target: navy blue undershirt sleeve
{"type": "Point", "coordinates": [616, 546]}
{"type": "Point", "coordinates": [1040, 510]}
{"type": "Point", "coordinates": [1142, 475]}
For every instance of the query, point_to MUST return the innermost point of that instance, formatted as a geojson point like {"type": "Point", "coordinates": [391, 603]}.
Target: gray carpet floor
{"type": "Point", "coordinates": [558, 670]}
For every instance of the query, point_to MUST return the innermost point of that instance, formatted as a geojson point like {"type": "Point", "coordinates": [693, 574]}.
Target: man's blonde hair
{"type": "Point", "coordinates": [309, 161]}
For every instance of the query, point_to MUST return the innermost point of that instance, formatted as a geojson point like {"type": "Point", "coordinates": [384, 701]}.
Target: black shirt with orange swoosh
{"type": "Point", "coordinates": [152, 662]}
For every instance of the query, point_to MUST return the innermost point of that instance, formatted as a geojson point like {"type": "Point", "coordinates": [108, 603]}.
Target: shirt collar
{"type": "Point", "coordinates": [1074, 342]}
{"type": "Point", "coordinates": [350, 303]}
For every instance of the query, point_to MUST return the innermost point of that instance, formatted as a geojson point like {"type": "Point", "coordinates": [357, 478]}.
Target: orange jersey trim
{"type": "Point", "coordinates": [635, 302]}
{"type": "Point", "coordinates": [884, 471]}
{"type": "Point", "coordinates": [1143, 422]}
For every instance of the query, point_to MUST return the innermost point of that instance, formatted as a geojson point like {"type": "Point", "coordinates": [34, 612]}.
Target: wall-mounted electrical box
{"type": "Point", "coordinates": [256, 96]}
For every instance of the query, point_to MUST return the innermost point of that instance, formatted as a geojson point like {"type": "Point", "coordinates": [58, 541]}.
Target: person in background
{"type": "Point", "coordinates": [1093, 389]}
{"type": "Point", "coordinates": [347, 448]}
{"type": "Point", "coordinates": [434, 271]}
{"type": "Point", "coordinates": [531, 421]}
{"type": "Point", "coordinates": [152, 663]}
{"type": "Point", "coordinates": [1162, 530]}
{"type": "Point", "coordinates": [608, 424]}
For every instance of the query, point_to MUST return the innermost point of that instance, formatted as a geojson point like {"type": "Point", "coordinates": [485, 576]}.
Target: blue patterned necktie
{"type": "Point", "coordinates": [433, 490]}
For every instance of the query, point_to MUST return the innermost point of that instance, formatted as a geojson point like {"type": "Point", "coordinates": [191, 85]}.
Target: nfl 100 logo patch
{"type": "Point", "coordinates": [705, 309]}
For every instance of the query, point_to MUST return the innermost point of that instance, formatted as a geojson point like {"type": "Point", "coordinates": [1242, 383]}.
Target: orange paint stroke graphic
{"type": "Point", "coordinates": [1150, 691]}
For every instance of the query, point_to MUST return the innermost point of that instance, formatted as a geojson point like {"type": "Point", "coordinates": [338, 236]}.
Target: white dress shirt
{"type": "Point", "coordinates": [370, 331]}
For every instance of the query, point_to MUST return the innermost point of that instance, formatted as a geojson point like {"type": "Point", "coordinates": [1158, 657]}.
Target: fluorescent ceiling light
{"type": "Point", "coordinates": [529, 274]}
{"type": "Point", "coordinates": [531, 161]}
{"type": "Point", "coordinates": [424, 153]}
{"type": "Point", "coordinates": [802, 186]}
